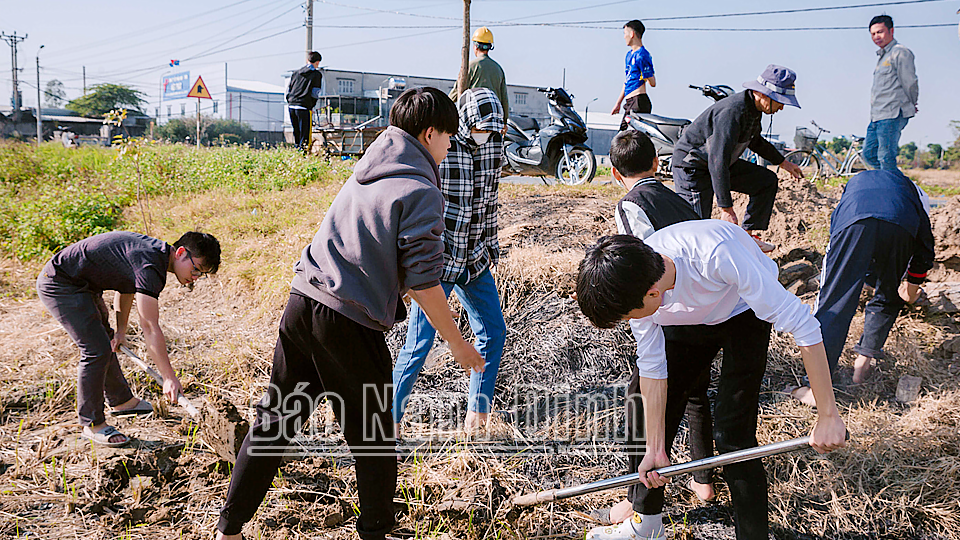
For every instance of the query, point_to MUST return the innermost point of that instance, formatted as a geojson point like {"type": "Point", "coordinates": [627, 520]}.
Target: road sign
{"type": "Point", "coordinates": [199, 90]}
{"type": "Point", "coordinates": [175, 86]}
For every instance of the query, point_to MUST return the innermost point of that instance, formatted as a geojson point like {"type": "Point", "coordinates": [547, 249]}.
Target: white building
{"type": "Point", "coordinates": [260, 105]}
{"type": "Point", "coordinates": [349, 98]}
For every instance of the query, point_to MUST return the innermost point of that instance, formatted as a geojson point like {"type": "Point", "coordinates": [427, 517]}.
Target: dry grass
{"type": "Point", "coordinates": [898, 478]}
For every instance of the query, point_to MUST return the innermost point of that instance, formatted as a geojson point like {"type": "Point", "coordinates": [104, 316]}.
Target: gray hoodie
{"type": "Point", "coordinates": [381, 236]}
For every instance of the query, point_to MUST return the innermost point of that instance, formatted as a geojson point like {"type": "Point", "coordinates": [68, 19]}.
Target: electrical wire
{"type": "Point", "coordinates": [142, 31]}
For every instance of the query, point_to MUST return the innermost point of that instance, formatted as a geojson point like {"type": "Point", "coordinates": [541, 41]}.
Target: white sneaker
{"type": "Point", "coordinates": [636, 528]}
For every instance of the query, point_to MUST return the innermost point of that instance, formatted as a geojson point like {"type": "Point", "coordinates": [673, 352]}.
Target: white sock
{"type": "Point", "coordinates": [647, 526]}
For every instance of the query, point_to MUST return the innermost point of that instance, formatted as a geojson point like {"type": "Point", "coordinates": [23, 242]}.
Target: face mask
{"type": "Point", "coordinates": [480, 138]}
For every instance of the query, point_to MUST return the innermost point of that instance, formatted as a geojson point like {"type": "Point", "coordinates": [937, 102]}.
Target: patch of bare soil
{"type": "Point", "coordinates": [556, 423]}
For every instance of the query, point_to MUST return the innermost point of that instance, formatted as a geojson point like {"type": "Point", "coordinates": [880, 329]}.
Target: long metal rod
{"type": "Point", "coordinates": [181, 399]}
{"type": "Point", "coordinates": [671, 470]}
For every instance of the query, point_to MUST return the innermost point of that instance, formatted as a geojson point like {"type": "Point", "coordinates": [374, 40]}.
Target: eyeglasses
{"type": "Point", "coordinates": [196, 270]}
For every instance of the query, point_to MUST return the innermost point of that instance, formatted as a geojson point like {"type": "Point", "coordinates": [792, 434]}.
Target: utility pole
{"type": "Point", "coordinates": [39, 114]}
{"type": "Point", "coordinates": [309, 26]}
{"type": "Point", "coordinates": [465, 60]}
{"type": "Point", "coordinates": [13, 41]}
{"type": "Point", "coordinates": [84, 80]}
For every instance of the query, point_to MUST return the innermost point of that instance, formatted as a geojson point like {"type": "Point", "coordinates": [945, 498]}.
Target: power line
{"type": "Point", "coordinates": [573, 23]}
{"type": "Point", "coordinates": [772, 12]}
{"type": "Point", "coordinates": [142, 31]}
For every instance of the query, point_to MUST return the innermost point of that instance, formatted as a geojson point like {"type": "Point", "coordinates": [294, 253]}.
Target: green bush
{"type": "Point", "coordinates": [52, 196]}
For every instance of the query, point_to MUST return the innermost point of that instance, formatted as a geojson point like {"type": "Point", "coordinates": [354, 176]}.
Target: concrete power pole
{"type": "Point", "coordinates": [39, 114]}
{"type": "Point", "coordinates": [465, 60]}
{"type": "Point", "coordinates": [309, 26]}
{"type": "Point", "coordinates": [13, 41]}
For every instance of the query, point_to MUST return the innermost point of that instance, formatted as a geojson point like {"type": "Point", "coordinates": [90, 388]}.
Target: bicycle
{"type": "Point", "coordinates": [812, 157]}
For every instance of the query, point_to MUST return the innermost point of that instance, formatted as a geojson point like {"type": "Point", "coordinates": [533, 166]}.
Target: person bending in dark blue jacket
{"type": "Point", "coordinates": [302, 93]}
{"type": "Point", "coordinates": [882, 228]}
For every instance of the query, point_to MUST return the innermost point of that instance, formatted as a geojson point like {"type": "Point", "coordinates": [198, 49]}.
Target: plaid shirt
{"type": "Point", "coordinates": [469, 179]}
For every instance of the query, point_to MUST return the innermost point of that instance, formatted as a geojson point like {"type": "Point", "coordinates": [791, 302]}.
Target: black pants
{"type": "Point", "coordinates": [690, 353]}
{"type": "Point", "coordinates": [760, 183]}
{"type": "Point", "coordinates": [300, 119]}
{"type": "Point", "coordinates": [697, 412]}
{"type": "Point", "coordinates": [639, 103]}
{"type": "Point", "coordinates": [869, 245]}
{"type": "Point", "coordinates": [321, 352]}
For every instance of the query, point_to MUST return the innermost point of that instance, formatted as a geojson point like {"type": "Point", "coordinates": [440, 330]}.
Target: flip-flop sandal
{"type": "Point", "coordinates": [103, 437]}
{"type": "Point", "coordinates": [143, 408]}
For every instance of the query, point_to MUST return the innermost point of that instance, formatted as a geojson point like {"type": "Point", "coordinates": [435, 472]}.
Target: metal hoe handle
{"type": "Point", "coordinates": [181, 399]}
{"type": "Point", "coordinates": [669, 471]}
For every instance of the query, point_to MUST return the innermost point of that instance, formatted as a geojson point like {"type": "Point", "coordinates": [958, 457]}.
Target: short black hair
{"type": "Point", "coordinates": [636, 26]}
{"type": "Point", "coordinates": [202, 246]}
{"type": "Point", "coordinates": [885, 20]}
{"type": "Point", "coordinates": [424, 107]}
{"type": "Point", "coordinates": [313, 56]}
{"type": "Point", "coordinates": [614, 276]}
{"type": "Point", "coordinates": [632, 153]}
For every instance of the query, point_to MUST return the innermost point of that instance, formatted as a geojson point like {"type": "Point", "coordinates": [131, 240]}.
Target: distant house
{"type": "Point", "coordinates": [55, 121]}
{"type": "Point", "coordinates": [349, 98]}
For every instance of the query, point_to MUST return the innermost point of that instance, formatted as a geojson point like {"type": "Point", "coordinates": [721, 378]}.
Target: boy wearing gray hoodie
{"type": "Point", "coordinates": [381, 239]}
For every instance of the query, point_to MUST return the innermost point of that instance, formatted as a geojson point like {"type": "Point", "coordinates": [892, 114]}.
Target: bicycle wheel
{"type": "Point", "coordinates": [808, 162]}
{"type": "Point", "coordinates": [857, 165]}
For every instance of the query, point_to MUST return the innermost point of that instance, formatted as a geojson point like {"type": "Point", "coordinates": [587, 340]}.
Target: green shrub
{"type": "Point", "coordinates": [52, 196]}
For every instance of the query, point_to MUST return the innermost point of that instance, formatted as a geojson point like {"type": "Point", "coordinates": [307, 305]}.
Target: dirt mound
{"type": "Point", "coordinates": [945, 221]}
{"type": "Point", "coordinates": [801, 214]}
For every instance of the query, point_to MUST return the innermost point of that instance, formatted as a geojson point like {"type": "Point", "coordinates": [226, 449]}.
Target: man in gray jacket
{"type": "Point", "coordinates": [380, 239]}
{"type": "Point", "coordinates": [893, 98]}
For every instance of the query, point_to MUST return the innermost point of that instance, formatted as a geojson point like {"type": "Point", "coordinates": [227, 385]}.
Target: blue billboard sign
{"type": "Point", "coordinates": [176, 86]}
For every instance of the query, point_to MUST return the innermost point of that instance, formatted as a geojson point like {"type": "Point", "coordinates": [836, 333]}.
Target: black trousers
{"type": "Point", "coordinates": [321, 353]}
{"type": "Point", "coordinates": [639, 103]}
{"type": "Point", "coordinates": [760, 183]}
{"type": "Point", "coordinates": [698, 414]}
{"type": "Point", "coordinates": [690, 353]}
{"type": "Point", "coordinates": [870, 245]}
{"type": "Point", "coordinates": [300, 119]}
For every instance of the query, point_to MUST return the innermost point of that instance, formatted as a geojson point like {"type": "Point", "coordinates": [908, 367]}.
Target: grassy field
{"type": "Point", "coordinates": [898, 479]}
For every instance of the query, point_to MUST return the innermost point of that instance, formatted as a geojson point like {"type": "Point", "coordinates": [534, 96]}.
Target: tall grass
{"type": "Point", "coordinates": [52, 196]}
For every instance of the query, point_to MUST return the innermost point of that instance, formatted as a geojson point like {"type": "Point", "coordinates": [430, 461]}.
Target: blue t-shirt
{"type": "Point", "coordinates": [639, 66]}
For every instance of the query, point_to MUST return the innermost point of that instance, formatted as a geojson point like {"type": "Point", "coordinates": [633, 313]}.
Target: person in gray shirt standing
{"type": "Point", "coordinates": [893, 98]}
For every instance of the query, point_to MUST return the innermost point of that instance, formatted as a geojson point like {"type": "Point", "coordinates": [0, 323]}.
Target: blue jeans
{"type": "Point", "coordinates": [882, 143]}
{"type": "Point", "coordinates": [482, 304]}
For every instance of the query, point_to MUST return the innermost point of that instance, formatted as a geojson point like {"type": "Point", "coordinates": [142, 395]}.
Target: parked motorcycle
{"type": "Point", "coordinates": [665, 132]}
{"type": "Point", "coordinates": [556, 150]}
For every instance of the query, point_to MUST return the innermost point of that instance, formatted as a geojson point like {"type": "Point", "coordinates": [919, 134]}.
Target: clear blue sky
{"type": "Point", "coordinates": [131, 42]}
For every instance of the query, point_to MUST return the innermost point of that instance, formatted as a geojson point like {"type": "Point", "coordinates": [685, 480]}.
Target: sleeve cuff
{"type": "Point", "coordinates": [915, 278]}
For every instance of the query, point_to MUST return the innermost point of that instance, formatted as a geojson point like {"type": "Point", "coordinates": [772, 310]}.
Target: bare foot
{"type": "Point", "coordinates": [221, 536]}
{"type": "Point", "coordinates": [475, 421]}
{"type": "Point", "coordinates": [862, 369]}
{"type": "Point", "coordinates": [621, 512]}
{"type": "Point", "coordinates": [127, 405]}
{"type": "Point", "coordinates": [704, 492]}
{"type": "Point", "coordinates": [803, 394]}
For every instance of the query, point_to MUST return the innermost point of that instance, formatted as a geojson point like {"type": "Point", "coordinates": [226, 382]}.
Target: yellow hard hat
{"type": "Point", "coordinates": [483, 35]}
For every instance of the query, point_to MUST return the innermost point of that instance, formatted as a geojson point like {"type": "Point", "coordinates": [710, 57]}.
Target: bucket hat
{"type": "Point", "coordinates": [776, 82]}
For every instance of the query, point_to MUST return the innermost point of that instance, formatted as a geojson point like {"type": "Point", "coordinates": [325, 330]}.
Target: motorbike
{"type": "Point", "coordinates": [556, 150]}
{"type": "Point", "coordinates": [665, 131]}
